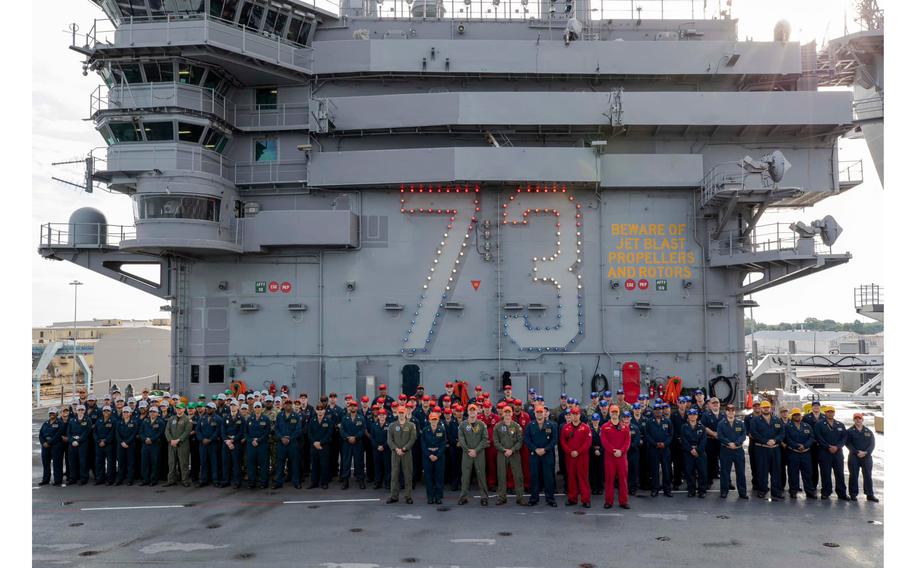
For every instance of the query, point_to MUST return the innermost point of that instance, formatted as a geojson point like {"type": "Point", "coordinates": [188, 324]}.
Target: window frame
{"type": "Point", "coordinates": [259, 139]}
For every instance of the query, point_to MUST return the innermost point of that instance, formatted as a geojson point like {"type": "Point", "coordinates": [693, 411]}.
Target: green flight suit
{"type": "Point", "coordinates": [402, 436]}
{"type": "Point", "coordinates": [473, 437]}
{"type": "Point", "coordinates": [178, 428]}
{"type": "Point", "coordinates": [273, 442]}
{"type": "Point", "coordinates": [508, 437]}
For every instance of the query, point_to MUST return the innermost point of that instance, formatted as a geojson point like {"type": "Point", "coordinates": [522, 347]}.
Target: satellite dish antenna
{"type": "Point", "coordinates": [829, 229]}
{"type": "Point", "coordinates": [777, 165]}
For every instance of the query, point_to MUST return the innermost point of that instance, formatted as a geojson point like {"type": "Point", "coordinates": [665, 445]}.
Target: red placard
{"type": "Point", "coordinates": [273, 286]}
{"type": "Point", "coordinates": [286, 287]}
{"type": "Point", "coordinates": [630, 284]}
{"type": "Point", "coordinates": [642, 284]}
{"type": "Point", "coordinates": [475, 284]}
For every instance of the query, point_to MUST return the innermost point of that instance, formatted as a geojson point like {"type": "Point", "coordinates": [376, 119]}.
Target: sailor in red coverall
{"type": "Point", "coordinates": [575, 441]}
{"type": "Point", "coordinates": [490, 418]}
{"type": "Point", "coordinates": [616, 437]}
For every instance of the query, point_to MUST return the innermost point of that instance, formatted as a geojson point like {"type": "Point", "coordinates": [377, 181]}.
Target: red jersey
{"type": "Point", "coordinates": [575, 438]}
{"type": "Point", "coordinates": [615, 437]}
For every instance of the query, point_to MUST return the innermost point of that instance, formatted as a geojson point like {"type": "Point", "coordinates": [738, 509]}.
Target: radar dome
{"type": "Point", "coordinates": [87, 226]}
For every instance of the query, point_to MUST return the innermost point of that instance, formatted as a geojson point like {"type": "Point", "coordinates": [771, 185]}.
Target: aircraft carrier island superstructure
{"type": "Point", "coordinates": [420, 192]}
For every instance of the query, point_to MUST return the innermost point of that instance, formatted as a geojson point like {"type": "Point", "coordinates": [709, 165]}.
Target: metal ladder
{"type": "Point", "coordinates": [180, 326]}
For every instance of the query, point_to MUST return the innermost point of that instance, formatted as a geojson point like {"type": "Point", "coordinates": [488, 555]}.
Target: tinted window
{"type": "Point", "coordinates": [251, 15]}
{"type": "Point", "coordinates": [294, 29]}
{"type": "Point", "coordinates": [267, 98]}
{"type": "Point", "coordinates": [156, 72]}
{"type": "Point", "coordinates": [212, 80]}
{"type": "Point", "coordinates": [266, 150]}
{"type": "Point", "coordinates": [129, 73]}
{"type": "Point", "coordinates": [180, 207]}
{"type": "Point", "coordinates": [216, 373]}
{"type": "Point", "coordinates": [190, 74]}
{"type": "Point", "coordinates": [215, 141]}
{"type": "Point", "coordinates": [159, 131]}
{"type": "Point", "coordinates": [189, 132]}
{"type": "Point", "coordinates": [194, 373]}
{"type": "Point", "coordinates": [125, 131]}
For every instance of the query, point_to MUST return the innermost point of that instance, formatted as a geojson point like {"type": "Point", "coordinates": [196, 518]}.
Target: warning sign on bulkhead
{"type": "Point", "coordinates": [649, 250]}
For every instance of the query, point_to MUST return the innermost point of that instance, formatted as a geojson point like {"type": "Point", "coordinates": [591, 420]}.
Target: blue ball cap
{"type": "Point", "coordinates": [604, 403]}
{"type": "Point", "coordinates": [642, 397]}
{"type": "Point", "coordinates": [595, 416]}
{"type": "Point", "coordinates": [658, 401]}
{"type": "Point", "coordinates": [626, 414]}
{"type": "Point", "coordinates": [683, 399]}
{"type": "Point", "coordinates": [620, 391]}
{"type": "Point", "coordinates": [691, 411]}
{"type": "Point", "coordinates": [593, 395]}
{"type": "Point", "coordinates": [636, 406]}
{"type": "Point", "coordinates": [563, 395]}
{"type": "Point", "coordinates": [538, 398]}
{"type": "Point", "coordinates": [608, 393]}
{"type": "Point", "coordinates": [699, 391]}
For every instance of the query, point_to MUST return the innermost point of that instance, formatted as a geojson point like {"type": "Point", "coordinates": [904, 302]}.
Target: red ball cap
{"type": "Point", "coordinates": [575, 410]}
{"type": "Point", "coordinates": [382, 387]}
{"type": "Point", "coordinates": [426, 398]}
{"type": "Point", "coordinates": [478, 388]}
{"type": "Point", "coordinates": [402, 397]}
{"type": "Point", "coordinates": [381, 412]}
{"type": "Point", "coordinates": [394, 404]}
{"type": "Point", "coordinates": [348, 396]}
{"type": "Point", "coordinates": [364, 398]}
{"type": "Point", "coordinates": [449, 385]}
{"type": "Point", "coordinates": [437, 409]}
{"type": "Point", "coordinates": [487, 404]}
{"type": "Point", "coordinates": [500, 405]}
{"type": "Point", "coordinates": [448, 411]}
{"type": "Point", "coordinates": [411, 404]}
{"type": "Point", "coordinates": [472, 406]}
{"type": "Point", "coordinates": [447, 398]}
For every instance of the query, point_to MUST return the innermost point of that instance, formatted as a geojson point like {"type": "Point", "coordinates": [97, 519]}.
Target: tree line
{"type": "Point", "coordinates": [815, 324]}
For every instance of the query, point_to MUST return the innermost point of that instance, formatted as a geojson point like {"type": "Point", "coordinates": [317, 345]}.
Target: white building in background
{"type": "Point", "coordinates": [134, 353]}
{"type": "Point", "coordinates": [768, 342]}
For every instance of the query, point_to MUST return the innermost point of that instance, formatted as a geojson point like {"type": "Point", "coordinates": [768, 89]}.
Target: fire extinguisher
{"type": "Point", "coordinates": [652, 390]}
{"type": "Point", "coordinates": [284, 389]}
{"type": "Point", "coordinates": [272, 388]}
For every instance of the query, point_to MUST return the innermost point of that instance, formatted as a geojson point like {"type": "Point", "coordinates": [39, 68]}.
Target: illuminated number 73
{"type": "Point", "coordinates": [449, 252]}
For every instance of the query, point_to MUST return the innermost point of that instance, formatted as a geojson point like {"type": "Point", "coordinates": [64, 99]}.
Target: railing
{"type": "Point", "coordinates": [144, 156]}
{"type": "Point", "coordinates": [868, 295]}
{"type": "Point", "coordinates": [85, 235]}
{"type": "Point", "coordinates": [542, 10]}
{"type": "Point", "coordinates": [773, 237]}
{"type": "Point", "coordinates": [156, 95]}
{"type": "Point", "coordinates": [294, 115]}
{"type": "Point", "coordinates": [247, 173]}
{"type": "Point", "coordinates": [175, 29]}
{"type": "Point", "coordinates": [850, 173]}
{"type": "Point", "coordinates": [731, 177]}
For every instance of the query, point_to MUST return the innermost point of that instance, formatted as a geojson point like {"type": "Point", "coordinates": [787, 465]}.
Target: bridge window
{"type": "Point", "coordinates": [216, 373]}
{"type": "Point", "coordinates": [267, 98]}
{"type": "Point", "coordinates": [215, 141]}
{"type": "Point", "coordinates": [266, 150]}
{"type": "Point", "coordinates": [189, 132]}
{"type": "Point", "coordinates": [194, 373]}
{"type": "Point", "coordinates": [251, 15]}
{"type": "Point", "coordinates": [159, 72]}
{"type": "Point", "coordinates": [127, 73]}
{"type": "Point", "coordinates": [159, 131]}
{"type": "Point", "coordinates": [190, 74]}
{"type": "Point", "coordinates": [274, 22]}
{"type": "Point", "coordinates": [125, 131]}
{"type": "Point", "coordinates": [180, 207]}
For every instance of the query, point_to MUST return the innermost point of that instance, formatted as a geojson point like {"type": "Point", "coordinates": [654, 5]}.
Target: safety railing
{"type": "Point", "coordinates": [772, 237]}
{"type": "Point", "coordinates": [85, 235]}
{"type": "Point", "coordinates": [270, 116]}
{"type": "Point", "coordinates": [173, 29]}
{"type": "Point", "coordinates": [869, 107]}
{"type": "Point", "coordinates": [253, 173]}
{"type": "Point", "coordinates": [145, 156]}
{"type": "Point", "coordinates": [541, 10]}
{"type": "Point", "coordinates": [731, 177]}
{"type": "Point", "coordinates": [868, 295]}
{"type": "Point", "coordinates": [850, 174]}
{"type": "Point", "coordinates": [157, 95]}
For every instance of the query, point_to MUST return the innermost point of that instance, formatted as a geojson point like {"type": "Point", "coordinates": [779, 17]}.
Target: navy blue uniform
{"type": "Point", "coordinates": [800, 440]}
{"type": "Point", "coordinates": [596, 462]}
{"type": "Point", "coordinates": [232, 429]}
{"type": "Point", "coordinates": [303, 443]}
{"type": "Point", "coordinates": [127, 429]}
{"type": "Point", "coordinates": [453, 454]}
{"type": "Point", "coordinates": [812, 420]}
{"type": "Point", "coordinates": [860, 441]}
{"type": "Point", "coordinates": [545, 437]}
{"type": "Point", "coordinates": [104, 434]}
{"type": "Point", "coordinates": [659, 430]}
{"type": "Point", "coordinates": [433, 443]}
{"type": "Point", "coordinates": [635, 453]}
{"type": "Point", "coordinates": [712, 445]}
{"type": "Point", "coordinates": [52, 448]}
{"type": "Point", "coordinates": [753, 467]}
{"type": "Point", "coordinates": [321, 431]}
{"type": "Point", "coordinates": [677, 457]}
{"type": "Point", "coordinates": [643, 469]}
{"type": "Point", "coordinates": [767, 456]}
{"type": "Point", "coordinates": [80, 440]}
{"type": "Point", "coordinates": [695, 438]}
{"type": "Point", "coordinates": [151, 433]}
{"type": "Point", "coordinates": [288, 428]}
{"type": "Point", "coordinates": [735, 433]}
{"type": "Point", "coordinates": [382, 459]}
{"type": "Point", "coordinates": [352, 452]}
{"type": "Point", "coordinates": [257, 432]}
{"type": "Point", "coordinates": [830, 436]}
{"type": "Point", "coordinates": [335, 413]}
{"type": "Point", "coordinates": [208, 435]}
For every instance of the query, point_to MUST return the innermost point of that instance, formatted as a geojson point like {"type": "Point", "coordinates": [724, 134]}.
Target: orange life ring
{"type": "Point", "coordinates": [461, 391]}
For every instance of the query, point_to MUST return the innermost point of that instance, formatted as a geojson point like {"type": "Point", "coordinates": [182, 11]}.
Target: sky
{"type": "Point", "coordinates": [60, 105]}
